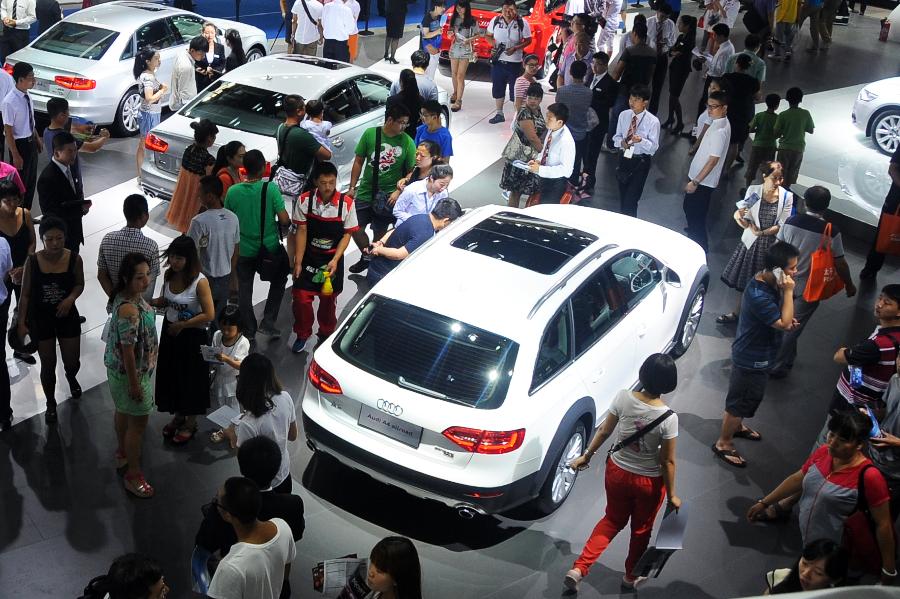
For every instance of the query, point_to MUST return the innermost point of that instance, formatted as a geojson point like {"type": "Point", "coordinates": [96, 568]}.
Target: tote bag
{"type": "Point", "coordinates": [823, 280]}
{"type": "Point", "coordinates": [888, 241]}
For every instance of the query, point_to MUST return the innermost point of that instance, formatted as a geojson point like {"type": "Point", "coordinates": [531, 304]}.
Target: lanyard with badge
{"type": "Point", "coordinates": [629, 152]}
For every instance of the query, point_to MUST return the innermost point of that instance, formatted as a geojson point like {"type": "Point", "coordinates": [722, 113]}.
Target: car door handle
{"type": "Point", "coordinates": [598, 375]}
{"type": "Point", "coordinates": [337, 141]}
{"type": "Point", "coordinates": [642, 330]}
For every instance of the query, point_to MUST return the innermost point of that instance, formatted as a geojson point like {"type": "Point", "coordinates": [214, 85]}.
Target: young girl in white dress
{"type": "Point", "coordinates": [232, 348]}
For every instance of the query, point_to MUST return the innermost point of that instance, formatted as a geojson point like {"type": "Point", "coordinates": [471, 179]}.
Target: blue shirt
{"type": "Point", "coordinates": [757, 341]}
{"type": "Point", "coordinates": [414, 231]}
{"type": "Point", "coordinates": [6, 265]}
{"type": "Point", "coordinates": [440, 136]}
{"type": "Point", "coordinates": [430, 24]}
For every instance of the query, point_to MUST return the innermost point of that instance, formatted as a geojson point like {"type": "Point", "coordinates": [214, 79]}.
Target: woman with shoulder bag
{"type": "Point", "coordinates": [525, 144]}
{"type": "Point", "coordinates": [640, 467]}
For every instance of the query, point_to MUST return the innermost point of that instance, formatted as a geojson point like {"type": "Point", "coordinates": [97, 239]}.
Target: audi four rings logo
{"type": "Point", "coordinates": [388, 407]}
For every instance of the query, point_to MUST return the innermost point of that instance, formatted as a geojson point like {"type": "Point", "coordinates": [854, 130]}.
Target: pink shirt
{"type": "Point", "coordinates": [8, 171]}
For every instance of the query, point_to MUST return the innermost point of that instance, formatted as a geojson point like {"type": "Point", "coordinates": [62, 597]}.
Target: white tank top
{"type": "Point", "coordinates": [184, 305]}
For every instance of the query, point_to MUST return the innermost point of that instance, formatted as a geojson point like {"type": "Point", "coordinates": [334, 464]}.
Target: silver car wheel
{"type": "Point", "coordinates": [689, 331]}
{"type": "Point", "coordinates": [564, 478]}
{"type": "Point", "coordinates": [131, 110]}
{"type": "Point", "coordinates": [254, 54]}
{"type": "Point", "coordinates": [886, 133]}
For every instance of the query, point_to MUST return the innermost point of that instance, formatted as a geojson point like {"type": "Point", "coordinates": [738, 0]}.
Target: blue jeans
{"type": "Point", "coordinates": [503, 75]}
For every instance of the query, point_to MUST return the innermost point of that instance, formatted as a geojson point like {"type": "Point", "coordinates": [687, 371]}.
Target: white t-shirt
{"type": "Point", "coordinates": [714, 143]}
{"type": "Point", "coordinates": [509, 34]}
{"type": "Point", "coordinates": [275, 425]}
{"type": "Point", "coordinates": [225, 381]}
{"type": "Point", "coordinates": [307, 31]}
{"type": "Point", "coordinates": [642, 456]}
{"type": "Point", "coordinates": [337, 21]}
{"type": "Point", "coordinates": [255, 571]}
{"type": "Point", "coordinates": [215, 232]}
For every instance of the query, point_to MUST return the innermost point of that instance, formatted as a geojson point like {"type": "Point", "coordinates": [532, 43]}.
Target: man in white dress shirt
{"type": "Point", "coordinates": [17, 17]}
{"type": "Point", "coordinates": [7, 84]}
{"type": "Point", "coordinates": [22, 140]}
{"type": "Point", "coordinates": [558, 156]}
{"type": "Point", "coordinates": [305, 26]}
{"type": "Point", "coordinates": [661, 36]}
{"type": "Point", "coordinates": [335, 26]}
{"type": "Point", "coordinates": [724, 50]}
{"type": "Point", "coordinates": [637, 135]}
{"type": "Point", "coordinates": [184, 83]}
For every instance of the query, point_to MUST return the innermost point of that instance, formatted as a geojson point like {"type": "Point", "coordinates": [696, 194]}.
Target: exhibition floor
{"type": "Point", "coordinates": [65, 515]}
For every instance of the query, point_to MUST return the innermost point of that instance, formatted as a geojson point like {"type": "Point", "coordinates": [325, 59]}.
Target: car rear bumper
{"type": "Point", "coordinates": [490, 500]}
{"type": "Point", "coordinates": [96, 112]}
{"type": "Point", "coordinates": [154, 181]}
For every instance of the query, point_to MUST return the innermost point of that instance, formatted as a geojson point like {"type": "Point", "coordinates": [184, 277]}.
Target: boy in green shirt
{"type": "Point", "coordinates": [395, 158]}
{"type": "Point", "coordinates": [763, 128]}
{"type": "Point", "coordinates": [791, 127]}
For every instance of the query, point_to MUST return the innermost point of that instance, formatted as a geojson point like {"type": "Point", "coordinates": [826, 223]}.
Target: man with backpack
{"type": "Point", "coordinates": [808, 233]}
{"type": "Point", "coordinates": [509, 34]}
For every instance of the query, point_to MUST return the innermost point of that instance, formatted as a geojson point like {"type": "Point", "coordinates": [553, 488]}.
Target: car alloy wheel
{"type": "Point", "coordinates": [564, 477]}
{"type": "Point", "coordinates": [128, 122]}
{"type": "Point", "coordinates": [886, 132]}
{"type": "Point", "coordinates": [692, 323]}
{"type": "Point", "coordinates": [254, 54]}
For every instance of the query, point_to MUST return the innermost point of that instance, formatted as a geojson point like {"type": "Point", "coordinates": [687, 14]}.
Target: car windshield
{"type": "Point", "coordinates": [428, 353]}
{"type": "Point", "coordinates": [523, 6]}
{"type": "Point", "coordinates": [76, 39]}
{"type": "Point", "coordinates": [240, 107]}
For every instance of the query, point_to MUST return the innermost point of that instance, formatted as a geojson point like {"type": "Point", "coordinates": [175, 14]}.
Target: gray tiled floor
{"type": "Point", "coordinates": [65, 515]}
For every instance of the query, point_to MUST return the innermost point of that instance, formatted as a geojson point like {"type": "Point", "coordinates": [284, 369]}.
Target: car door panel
{"type": "Point", "coordinates": [639, 277]}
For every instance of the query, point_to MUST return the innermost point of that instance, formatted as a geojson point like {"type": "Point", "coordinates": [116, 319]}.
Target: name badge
{"type": "Point", "coordinates": [629, 152]}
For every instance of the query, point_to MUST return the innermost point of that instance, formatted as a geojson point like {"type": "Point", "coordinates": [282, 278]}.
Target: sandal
{"type": "Point", "coordinates": [217, 436]}
{"type": "Point", "coordinates": [138, 486]}
{"type": "Point", "coordinates": [774, 513]}
{"type": "Point", "coordinates": [121, 460]}
{"type": "Point", "coordinates": [749, 434]}
{"type": "Point", "coordinates": [724, 454]}
{"type": "Point", "coordinates": [170, 429]}
{"type": "Point", "coordinates": [455, 106]}
{"type": "Point", "coordinates": [453, 99]}
{"type": "Point", "coordinates": [184, 435]}
{"type": "Point", "coordinates": [727, 318]}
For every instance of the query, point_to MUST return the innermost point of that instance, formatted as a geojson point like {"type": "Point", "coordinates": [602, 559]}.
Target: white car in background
{"type": "Point", "coordinates": [478, 369]}
{"type": "Point", "coordinates": [88, 57]}
{"type": "Point", "coordinates": [877, 113]}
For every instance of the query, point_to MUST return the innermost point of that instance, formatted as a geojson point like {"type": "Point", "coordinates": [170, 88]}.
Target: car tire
{"type": "Point", "coordinates": [445, 118]}
{"type": "Point", "coordinates": [690, 322]}
{"type": "Point", "coordinates": [255, 53]}
{"type": "Point", "coordinates": [128, 114]}
{"type": "Point", "coordinates": [886, 131]}
{"type": "Point", "coordinates": [561, 478]}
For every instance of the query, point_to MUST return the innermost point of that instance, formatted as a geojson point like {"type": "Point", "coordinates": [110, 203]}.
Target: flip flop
{"type": "Point", "coordinates": [781, 514]}
{"type": "Point", "coordinates": [727, 318]}
{"type": "Point", "coordinates": [724, 454]}
{"type": "Point", "coordinates": [749, 434]}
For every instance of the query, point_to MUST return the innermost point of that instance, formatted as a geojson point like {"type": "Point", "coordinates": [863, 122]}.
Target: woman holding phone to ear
{"type": "Point", "coordinates": [640, 468]}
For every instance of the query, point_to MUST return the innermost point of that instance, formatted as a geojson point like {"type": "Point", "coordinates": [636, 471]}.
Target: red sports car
{"type": "Point", "coordinates": [537, 13]}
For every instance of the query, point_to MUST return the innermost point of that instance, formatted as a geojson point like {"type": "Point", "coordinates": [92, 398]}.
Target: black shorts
{"type": "Point", "coordinates": [365, 216]}
{"type": "Point", "coordinates": [46, 327]}
{"type": "Point", "coordinates": [746, 389]}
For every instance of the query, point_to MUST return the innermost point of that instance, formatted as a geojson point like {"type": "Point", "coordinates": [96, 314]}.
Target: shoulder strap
{"type": "Point", "coordinates": [862, 504]}
{"type": "Point", "coordinates": [825, 241]}
{"type": "Point", "coordinates": [262, 213]}
{"type": "Point", "coordinates": [640, 433]}
{"type": "Point", "coordinates": [283, 140]}
{"type": "Point", "coordinates": [376, 168]}
{"type": "Point", "coordinates": [341, 201]}
{"type": "Point", "coordinates": [73, 260]}
{"type": "Point", "coordinates": [308, 15]}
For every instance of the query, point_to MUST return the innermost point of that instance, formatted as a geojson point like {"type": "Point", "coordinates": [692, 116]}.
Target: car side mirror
{"type": "Point", "coordinates": [670, 277]}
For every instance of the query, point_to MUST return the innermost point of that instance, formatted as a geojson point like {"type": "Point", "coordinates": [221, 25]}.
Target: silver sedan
{"type": "Point", "coordinates": [87, 58]}
{"type": "Point", "coordinates": [246, 105]}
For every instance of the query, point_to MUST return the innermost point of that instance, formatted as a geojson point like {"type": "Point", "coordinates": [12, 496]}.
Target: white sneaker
{"type": "Point", "coordinates": [573, 577]}
{"type": "Point", "coordinates": [631, 585]}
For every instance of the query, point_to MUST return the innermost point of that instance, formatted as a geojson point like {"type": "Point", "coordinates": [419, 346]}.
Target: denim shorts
{"type": "Point", "coordinates": [149, 120]}
{"type": "Point", "coordinates": [503, 75]}
{"type": "Point", "coordinates": [746, 389]}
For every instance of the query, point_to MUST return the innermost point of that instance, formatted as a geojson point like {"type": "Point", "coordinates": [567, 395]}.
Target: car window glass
{"type": "Point", "coordinates": [77, 40]}
{"type": "Point", "coordinates": [373, 92]}
{"type": "Point", "coordinates": [157, 34]}
{"type": "Point", "coordinates": [555, 350]}
{"type": "Point", "coordinates": [187, 27]}
{"type": "Point", "coordinates": [128, 52]}
{"type": "Point", "coordinates": [596, 307]}
{"type": "Point", "coordinates": [635, 274]}
{"type": "Point", "coordinates": [341, 104]}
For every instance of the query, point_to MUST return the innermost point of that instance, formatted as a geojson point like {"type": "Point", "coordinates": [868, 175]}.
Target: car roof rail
{"type": "Point", "coordinates": [568, 276]}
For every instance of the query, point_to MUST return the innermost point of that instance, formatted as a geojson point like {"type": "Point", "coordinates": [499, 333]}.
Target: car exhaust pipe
{"type": "Point", "coordinates": [467, 511]}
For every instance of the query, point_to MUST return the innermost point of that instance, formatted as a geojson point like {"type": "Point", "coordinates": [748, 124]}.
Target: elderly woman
{"type": "Point", "coordinates": [761, 215]}
{"type": "Point", "coordinates": [525, 144]}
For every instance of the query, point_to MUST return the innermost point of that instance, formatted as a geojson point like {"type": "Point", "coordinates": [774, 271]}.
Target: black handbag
{"type": "Point", "coordinates": [271, 265]}
{"type": "Point", "coordinates": [380, 204]}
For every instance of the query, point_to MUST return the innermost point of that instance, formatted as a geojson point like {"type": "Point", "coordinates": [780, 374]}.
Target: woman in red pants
{"type": "Point", "coordinates": [640, 468]}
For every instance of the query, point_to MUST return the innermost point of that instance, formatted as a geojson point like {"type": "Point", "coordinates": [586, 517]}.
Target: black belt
{"type": "Point", "coordinates": [637, 157]}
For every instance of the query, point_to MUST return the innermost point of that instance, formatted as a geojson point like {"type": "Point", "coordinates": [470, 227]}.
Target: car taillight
{"type": "Point", "coordinates": [323, 381]}
{"type": "Point", "coordinates": [491, 442]}
{"type": "Point", "coordinates": [155, 143]}
{"type": "Point", "coordinates": [8, 68]}
{"type": "Point", "coordinates": [76, 83]}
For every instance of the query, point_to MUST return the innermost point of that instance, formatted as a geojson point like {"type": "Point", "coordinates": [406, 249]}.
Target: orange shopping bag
{"type": "Point", "coordinates": [888, 241]}
{"type": "Point", "coordinates": [823, 281]}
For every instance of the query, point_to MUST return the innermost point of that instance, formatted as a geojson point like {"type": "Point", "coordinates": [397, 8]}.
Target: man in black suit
{"type": "Point", "coordinates": [60, 191]}
{"type": "Point", "coordinates": [604, 89]}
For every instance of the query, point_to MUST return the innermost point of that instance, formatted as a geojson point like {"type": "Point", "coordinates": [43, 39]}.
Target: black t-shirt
{"type": "Point", "coordinates": [892, 200]}
{"type": "Point", "coordinates": [217, 535]}
{"type": "Point", "coordinates": [639, 61]}
{"type": "Point", "coordinates": [741, 90]}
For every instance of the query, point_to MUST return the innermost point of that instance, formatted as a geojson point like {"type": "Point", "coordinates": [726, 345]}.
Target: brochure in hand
{"type": "Point", "coordinates": [343, 578]}
{"type": "Point", "coordinates": [748, 202]}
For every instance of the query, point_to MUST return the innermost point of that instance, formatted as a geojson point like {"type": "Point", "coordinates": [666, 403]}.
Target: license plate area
{"type": "Point", "coordinates": [389, 426]}
{"type": "Point", "coordinates": [167, 162]}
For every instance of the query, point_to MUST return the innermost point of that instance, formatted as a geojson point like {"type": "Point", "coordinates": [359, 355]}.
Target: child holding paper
{"type": "Point", "coordinates": [231, 347]}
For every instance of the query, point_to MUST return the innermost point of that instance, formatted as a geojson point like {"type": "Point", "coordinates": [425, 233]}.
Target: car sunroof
{"type": "Point", "coordinates": [533, 243]}
{"type": "Point", "coordinates": [316, 62]}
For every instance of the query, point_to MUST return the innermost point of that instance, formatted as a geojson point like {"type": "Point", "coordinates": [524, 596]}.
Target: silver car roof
{"type": "Point", "coordinates": [123, 14]}
{"type": "Point", "coordinates": [306, 73]}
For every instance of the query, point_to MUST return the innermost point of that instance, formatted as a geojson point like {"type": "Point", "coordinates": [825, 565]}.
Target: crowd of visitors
{"type": "Point", "coordinates": [239, 219]}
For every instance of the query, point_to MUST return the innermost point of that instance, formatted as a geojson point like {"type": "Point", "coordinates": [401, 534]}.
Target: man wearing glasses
{"type": "Point", "coordinates": [706, 168]}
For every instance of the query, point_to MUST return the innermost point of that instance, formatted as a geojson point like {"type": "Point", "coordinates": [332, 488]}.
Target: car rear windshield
{"type": "Point", "coordinates": [523, 6]}
{"type": "Point", "coordinates": [239, 107]}
{"type": "Point", "coordinates": [532, 243]}
{"type": "Point", "coordinates": [76, 39]}
{"type": "Point", "coordinates": [428, 353]}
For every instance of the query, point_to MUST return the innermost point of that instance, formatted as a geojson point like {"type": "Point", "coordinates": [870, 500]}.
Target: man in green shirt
{"type": "Point", "coordinates": [763, 128]}
{"type": "Point", "coordinates": [757, 68]}
{"type": "Point", "coordinates": [395, 157]}
{"type": "Point", "coordinates": [791, 128]}
{"type": "Point", "coordinates": [245, 200]}
{"type": "Point", "coordinates": [298, 149]}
